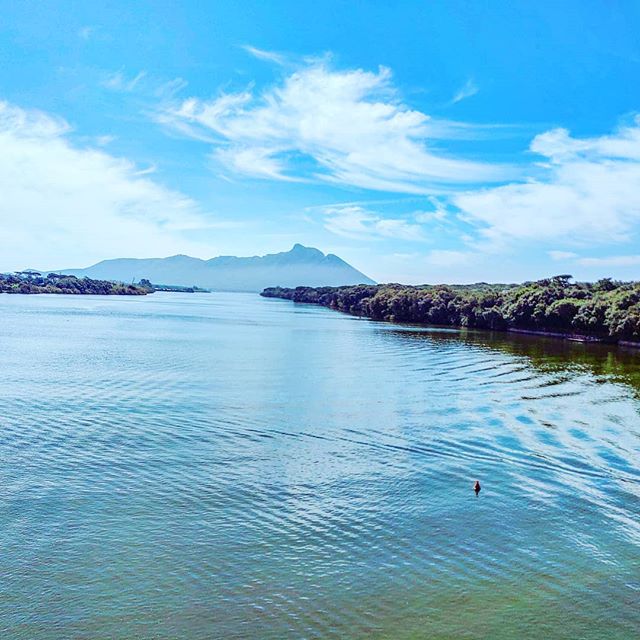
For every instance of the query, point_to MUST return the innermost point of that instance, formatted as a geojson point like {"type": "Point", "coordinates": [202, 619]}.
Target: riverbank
{"type": "Point", "coordinates": [606, 311]}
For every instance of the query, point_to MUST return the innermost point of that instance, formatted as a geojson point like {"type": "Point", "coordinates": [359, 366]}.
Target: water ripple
{"type": "Point", "coordinates": [221, 465]}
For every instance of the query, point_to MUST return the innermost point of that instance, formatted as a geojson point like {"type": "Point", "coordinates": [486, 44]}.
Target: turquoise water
{"type": "Point", "coordinates": [226, 466]}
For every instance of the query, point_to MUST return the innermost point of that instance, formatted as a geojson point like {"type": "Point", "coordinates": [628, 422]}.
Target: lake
{"type": "Point", "coordinates": [226, 466]}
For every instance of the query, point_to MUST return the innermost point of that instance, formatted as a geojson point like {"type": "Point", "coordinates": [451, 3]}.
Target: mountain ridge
{"type": "Point", "coordinates": [300, 266]}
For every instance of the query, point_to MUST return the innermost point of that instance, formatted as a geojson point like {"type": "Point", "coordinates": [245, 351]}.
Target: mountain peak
{"type": "Point", "coordinates": [300, 266]}
{"type": "Point", "coordinates": [300, 249]}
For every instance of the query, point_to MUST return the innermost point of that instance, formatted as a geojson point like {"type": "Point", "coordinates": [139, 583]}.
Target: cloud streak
{"type": "Point", "coordinates": [470, 88]}
{"type": "Point", "coordinates": [261, 54]}
{"type": "Point", "coordinates": [119, 82]}
{"type": "Point", "coordinates": [562, 255]}
{"type": "Point", "coordinates": [610, 261]}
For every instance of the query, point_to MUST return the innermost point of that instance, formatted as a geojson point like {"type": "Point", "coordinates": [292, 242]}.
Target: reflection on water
{"type": "Point", "coordinates": [611, 362]}
{"type": "Point", "coordinates": [225, 466]}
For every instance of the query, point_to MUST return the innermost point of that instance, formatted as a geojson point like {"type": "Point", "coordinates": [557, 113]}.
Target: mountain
{"type": "Point", "coordinates": [297, 267]}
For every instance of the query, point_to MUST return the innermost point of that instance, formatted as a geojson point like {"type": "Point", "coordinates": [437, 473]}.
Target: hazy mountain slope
{"type": "Point", "coordinates": [300, 266]}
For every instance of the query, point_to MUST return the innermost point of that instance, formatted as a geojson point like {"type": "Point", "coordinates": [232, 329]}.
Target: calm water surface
{"type": "Point", "coordinates": [225, 466]}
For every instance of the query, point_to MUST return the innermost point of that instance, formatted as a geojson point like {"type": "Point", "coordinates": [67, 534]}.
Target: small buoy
{"type": "Point", "coordinates": [477, 487]}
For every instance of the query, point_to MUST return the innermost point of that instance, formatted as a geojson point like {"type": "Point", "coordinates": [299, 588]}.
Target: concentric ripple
{"type": "Point", "coordinates": [226, 466]}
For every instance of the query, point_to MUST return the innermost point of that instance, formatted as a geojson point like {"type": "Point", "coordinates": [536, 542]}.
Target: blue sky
{"type": "Point", "coordinates": [421, 141]}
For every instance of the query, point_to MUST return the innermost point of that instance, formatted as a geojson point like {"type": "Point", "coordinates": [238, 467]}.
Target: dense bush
{"type": "Point", "coordinates": [605, 309]}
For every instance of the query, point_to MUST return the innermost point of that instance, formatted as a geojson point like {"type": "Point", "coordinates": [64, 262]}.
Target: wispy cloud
{"type": "Point", "coordinates": [85, 33]}
{"type": "Point", "coordinates": [103, 141]}
{"type": "Point", "coordinates": [261, 54]}
{"type": "Point", "coordinates": [119, 82]}
{"type": "Point", "coordinates": [611, 261]}
{"type": "Point", "coordinates": [437, 213]}
{"type": "Point", "coordinates": [254, 161]}
{"type": "Point", "coordinates": [169, 89]}
{"type": "Point", "coordinates": [468, 89]}
{"type": "Point", "coordinates": [344, 127]}
{"type": "Point", "coordinates": [562, 255]}
{"type": "Point", "coordinates": [80, 202]}
{"type": "Point", "coordinates": [356, 222]}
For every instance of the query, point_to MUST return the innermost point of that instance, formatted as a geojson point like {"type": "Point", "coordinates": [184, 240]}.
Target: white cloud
{"type": "Point", "coordinates": [345, 127]}
{"type": "Point", "coordinates": [562, 255]}
{"type": "Point", "coordinates": [119, 82]}
{"type": "Point", "coordinates": [470, 88]}
{"type": "Point", "coordinates": [261, 54]}
{"type": "Point", "coordinates": [559, 146]}
{"type": "Point", "coordinates": [588, 192]}
{"type": "Point", "coordinates": [611, 261]}
{"type": "Point", "coordinates": [353, 221]}
{"type": "Point", "coordinates": [83, 204]}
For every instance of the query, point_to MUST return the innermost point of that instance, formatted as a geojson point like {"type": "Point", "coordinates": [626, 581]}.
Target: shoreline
{"type": "Point", "coordinates": [559, 335]}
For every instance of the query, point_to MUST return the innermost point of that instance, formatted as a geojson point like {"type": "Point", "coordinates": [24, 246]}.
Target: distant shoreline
{"type": "Point", "coordinates": [33, 283]}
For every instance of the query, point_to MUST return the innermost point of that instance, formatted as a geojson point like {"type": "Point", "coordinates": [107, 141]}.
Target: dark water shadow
{"type": "Point", "coordinates": [610, 363]}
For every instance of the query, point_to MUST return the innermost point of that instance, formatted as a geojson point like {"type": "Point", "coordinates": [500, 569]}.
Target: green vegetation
{"type": "Point", "coordinates": [605, 310]}
{"type": "Point", "coordinates": [34, 282]}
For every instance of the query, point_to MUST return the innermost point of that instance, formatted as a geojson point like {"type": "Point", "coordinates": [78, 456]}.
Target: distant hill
{"type": "Point", "coordinates": [301, 266]}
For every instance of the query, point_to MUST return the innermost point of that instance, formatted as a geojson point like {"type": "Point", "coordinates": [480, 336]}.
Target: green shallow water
{"type": "Point", "coordinates": [226, 466]}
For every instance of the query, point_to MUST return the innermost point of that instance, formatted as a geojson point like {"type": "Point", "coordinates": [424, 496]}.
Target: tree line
{"type": "Point", "coordinates": [33, 282]}
{"type": "Point", "coordinates": [606, 309]}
